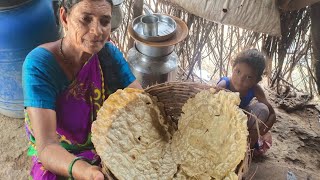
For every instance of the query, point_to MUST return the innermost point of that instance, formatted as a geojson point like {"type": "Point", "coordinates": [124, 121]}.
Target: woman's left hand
{"type": "Point", "coordinates": [95, 173]}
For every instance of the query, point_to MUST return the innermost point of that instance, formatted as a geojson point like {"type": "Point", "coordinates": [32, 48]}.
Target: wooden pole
{"type": "Point", "coordinates": [315, 29]}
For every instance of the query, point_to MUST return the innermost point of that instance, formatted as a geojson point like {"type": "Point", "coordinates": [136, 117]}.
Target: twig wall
{"type": "Point", "coordinates": [206, 54]}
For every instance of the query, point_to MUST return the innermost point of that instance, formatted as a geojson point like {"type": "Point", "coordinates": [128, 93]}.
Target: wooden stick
{"type": "Point", "coordinates": [254, 173]}
{"type": "Point", "coordinates": [256, 118]}
{"type": "Point", "coordinates": [289, 84]}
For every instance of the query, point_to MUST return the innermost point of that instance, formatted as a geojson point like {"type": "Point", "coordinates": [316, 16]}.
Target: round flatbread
{"type": "Point", "coordinates": [212, 135]}
{"type": "Point", "coordinates": [136, 142]}
{"type": "Point", "coordinates": [131, 137]}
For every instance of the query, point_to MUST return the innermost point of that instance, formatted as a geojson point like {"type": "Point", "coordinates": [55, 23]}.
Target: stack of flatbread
{"type": "Point", "coordinates": [134, 139]}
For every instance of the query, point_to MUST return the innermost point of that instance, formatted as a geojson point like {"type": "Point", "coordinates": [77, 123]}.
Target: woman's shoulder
{"type": "Point", "coordinates": [39, 55]}
{"type": "Point", "coordinates": [113, 50]}
{"type": "Point", "coordinates": [42, 60]}
{"type": "Point", "coordinates": [110, 46]}
{"type": "Point", "coordinates": [111, 53]}
{"type": "Point", "coordinates": [44, 50]}
{"type": "Point", "coordinates": [42, 56]}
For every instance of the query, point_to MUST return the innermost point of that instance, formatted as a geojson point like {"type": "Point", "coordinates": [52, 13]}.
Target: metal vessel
{"type": "Point", "coordinates": [117, 16]}
{"type": "Point", "coordinates": [153, 51]}
{"type": "Point", "coordinates": [152, 70]}
{"type": "Point", "coordinates": [152, 59]}
{"type": "Point", "coordinates": [165, 27]}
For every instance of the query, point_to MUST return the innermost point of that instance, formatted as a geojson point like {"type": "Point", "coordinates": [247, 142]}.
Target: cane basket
{"type": "Point", "coordinates": [171, 97]}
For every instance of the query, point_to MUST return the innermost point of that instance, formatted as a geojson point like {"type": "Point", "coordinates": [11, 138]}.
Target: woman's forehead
{"type": "Point", "coordinates": [93, 7]}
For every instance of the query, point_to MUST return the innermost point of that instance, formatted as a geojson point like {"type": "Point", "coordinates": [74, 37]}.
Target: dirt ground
{"type": "Point", "coordinates": [13, 149]}
{"type": "Point", "coordinates": [296, 148]}
{"type": "Point", "coordinates": [295, 151]}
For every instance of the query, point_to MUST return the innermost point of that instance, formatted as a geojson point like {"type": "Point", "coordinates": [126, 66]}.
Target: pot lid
{"type": "Point", "coordinates": [165, 27]}
{"type": "Point", "coordinates": [179, 35]}
{"type": "Point", "coordinates": [117, 2]}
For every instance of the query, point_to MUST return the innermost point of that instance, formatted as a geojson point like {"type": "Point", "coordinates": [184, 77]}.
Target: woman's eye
{"type": "Point", "coordinates": [104, 22]}
{"type": "Point", "coordinates": [249, 77]}
{"type": "Point", "coordinates": [86, 19]}
{"type": "Point", "coordinates": [238, 71]}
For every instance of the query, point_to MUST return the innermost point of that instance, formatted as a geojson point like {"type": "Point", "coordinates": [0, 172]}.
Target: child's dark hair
{"type": "Point", "coordinates": [254, 58]}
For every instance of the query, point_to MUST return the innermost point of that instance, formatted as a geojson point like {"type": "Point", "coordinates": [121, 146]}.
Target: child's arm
{"type": "Point", "coordinates": [261, 97]}
{"type": "Point", "coordinates": [222, 84]}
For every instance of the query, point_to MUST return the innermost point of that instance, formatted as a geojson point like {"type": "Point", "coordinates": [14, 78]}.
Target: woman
{"type": "Point", "coordinates": [65, 83]}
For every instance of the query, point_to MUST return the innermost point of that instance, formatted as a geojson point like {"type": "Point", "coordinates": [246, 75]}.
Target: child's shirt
{"type": "Point", "coordinates": [245, 101]}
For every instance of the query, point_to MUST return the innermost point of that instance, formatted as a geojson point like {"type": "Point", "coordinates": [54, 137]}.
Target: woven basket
{"type": "Point", "coordinates": [173, 95]}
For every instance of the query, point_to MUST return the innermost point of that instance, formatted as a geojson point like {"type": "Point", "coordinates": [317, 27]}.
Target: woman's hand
{"type": "Point", "coordinates": [135, 84]}
{"type": "Point", "coordinates": [94, 173]}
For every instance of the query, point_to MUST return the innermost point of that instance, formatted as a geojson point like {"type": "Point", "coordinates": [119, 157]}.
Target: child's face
{"type": "Point", "coordinates": [243, 77]}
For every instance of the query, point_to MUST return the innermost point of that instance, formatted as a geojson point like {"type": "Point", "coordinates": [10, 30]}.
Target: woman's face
{"type": "Point", "coordinates": [243, 77]}
{"type": "Point", "coordinates": [89, 25]}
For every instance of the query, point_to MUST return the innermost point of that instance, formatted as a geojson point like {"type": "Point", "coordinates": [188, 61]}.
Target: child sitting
{"type": "Point", "coordinates": [247, 71]}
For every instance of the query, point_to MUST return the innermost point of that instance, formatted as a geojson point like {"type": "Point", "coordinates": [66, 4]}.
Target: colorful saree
{"type": "Point", "coordinates": [77, 107]}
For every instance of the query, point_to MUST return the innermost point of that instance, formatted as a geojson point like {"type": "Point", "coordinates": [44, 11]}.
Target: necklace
{"type": "Point", "coordinates": [65, 61]}
{"type": "Point", "coordinates": [62, 54]}
{"type": "Point", "coordinates": [68, 62]}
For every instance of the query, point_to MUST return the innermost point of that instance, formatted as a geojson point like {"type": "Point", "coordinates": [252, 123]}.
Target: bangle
{"type": "Point", "coordinates": [71, 166]}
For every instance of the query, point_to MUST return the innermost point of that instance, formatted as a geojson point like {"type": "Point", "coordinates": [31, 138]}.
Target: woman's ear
{"type": "Point", "coordinates": [63, 19]}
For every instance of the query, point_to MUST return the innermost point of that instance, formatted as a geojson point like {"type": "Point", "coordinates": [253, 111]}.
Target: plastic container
{"type": "Point", "coordinates": [23, 26]}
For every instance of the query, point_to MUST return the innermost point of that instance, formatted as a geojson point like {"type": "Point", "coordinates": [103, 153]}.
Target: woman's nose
{"type": "Point", "coordinates": [96, 28]}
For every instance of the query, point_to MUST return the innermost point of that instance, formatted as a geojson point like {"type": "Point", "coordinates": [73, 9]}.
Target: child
{"type": "Point", "coordinates": [247, 70]}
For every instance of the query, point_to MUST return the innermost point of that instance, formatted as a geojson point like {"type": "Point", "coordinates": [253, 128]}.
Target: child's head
{"type": "Point", "coordinates": [248, 67]}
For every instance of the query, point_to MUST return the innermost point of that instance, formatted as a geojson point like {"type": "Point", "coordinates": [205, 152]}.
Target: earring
{"type": "Point", "coordinates": [65, 30]}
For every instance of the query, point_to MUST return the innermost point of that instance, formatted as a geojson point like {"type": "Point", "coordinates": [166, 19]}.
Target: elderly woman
{"type": "Point", "coordinates": [65, 83]}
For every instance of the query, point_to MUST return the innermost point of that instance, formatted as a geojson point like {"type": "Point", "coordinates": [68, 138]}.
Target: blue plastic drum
{"type": "Point", "coordinates": [23, 26]}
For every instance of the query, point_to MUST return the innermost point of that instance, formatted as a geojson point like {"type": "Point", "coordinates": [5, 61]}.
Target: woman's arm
{"type": "Point", "coordinates": [261, 97]}
{"type": "Point", "coordinates": [135, 84]}
{"type": "Point", "coordinates": [53, 156]}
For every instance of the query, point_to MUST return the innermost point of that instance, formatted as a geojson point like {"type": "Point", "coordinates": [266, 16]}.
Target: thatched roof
{"type": "Point", "coordinates": [260, 16]}
{"type": "Point", "coordinates": [291, 5]}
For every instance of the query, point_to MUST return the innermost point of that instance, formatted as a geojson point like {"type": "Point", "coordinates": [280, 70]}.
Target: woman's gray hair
{"type": "Point", "coordinates": [68, 4]}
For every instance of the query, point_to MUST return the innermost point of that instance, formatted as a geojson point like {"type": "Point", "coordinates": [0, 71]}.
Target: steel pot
{"type": "Point", "coordinates": [151, 70]}
{"type": "Point", "coordinates": [116, 18]}
{"type": "Point", "coordinates": [117, 2]}
{"type": "Point", "coordinates": [154, 51]}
